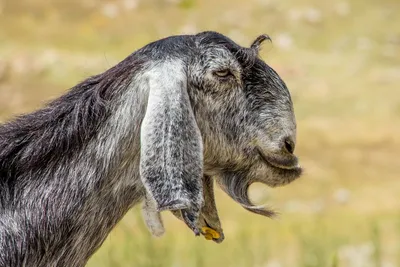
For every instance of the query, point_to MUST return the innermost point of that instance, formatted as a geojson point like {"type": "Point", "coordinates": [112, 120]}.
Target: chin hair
{"type": "Point", "coordinates": [236, 185]}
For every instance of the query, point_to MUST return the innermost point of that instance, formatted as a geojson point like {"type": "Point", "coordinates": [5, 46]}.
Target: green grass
{"type": "Point", "coordinates": [341, 61]}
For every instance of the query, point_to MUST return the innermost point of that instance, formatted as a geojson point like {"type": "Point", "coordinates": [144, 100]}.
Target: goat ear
{"type": "Point", "coordinates": [152, 218]}
{"type": "Point", "coordinates": [171, 157]}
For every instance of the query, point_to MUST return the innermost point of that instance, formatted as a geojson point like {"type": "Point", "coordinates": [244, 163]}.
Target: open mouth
{"type": "Point", "coordinates": [283, 163]}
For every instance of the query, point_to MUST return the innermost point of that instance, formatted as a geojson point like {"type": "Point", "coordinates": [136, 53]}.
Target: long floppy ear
{"type": "Point", "coordinates": [171, 157]}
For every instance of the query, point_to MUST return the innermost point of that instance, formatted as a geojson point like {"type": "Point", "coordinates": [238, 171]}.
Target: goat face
{"type": "Point", "coordinates": [245, 114]}
{"type": "Point", "coordinates": [214, 108]}
{"type": "Point", "coordinates": [244, 111]}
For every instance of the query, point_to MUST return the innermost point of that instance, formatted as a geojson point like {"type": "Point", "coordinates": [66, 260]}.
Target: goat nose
{"type": "Point", "coordinates": [288, 144]}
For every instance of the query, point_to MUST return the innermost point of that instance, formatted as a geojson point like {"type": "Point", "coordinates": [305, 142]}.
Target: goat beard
{"type": "Point", "coordinates": [236, 185]}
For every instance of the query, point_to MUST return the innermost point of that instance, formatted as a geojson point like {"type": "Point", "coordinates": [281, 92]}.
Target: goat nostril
{"type": "Point", "coordinates": [289, 145]}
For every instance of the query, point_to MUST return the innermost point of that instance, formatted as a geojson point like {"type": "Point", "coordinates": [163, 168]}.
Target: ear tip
{"type": "Point", "coordinates": [158, 233]}
{"type": "Point", "coordinates": [175, 204]}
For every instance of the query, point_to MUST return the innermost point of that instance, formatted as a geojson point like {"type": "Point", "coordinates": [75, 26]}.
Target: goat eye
{"type": "Point", "coordinates": [222, 73]}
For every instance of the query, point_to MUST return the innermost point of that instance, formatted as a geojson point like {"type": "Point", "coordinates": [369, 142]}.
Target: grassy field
{"type": "Point", "coordinates": [341, 61]}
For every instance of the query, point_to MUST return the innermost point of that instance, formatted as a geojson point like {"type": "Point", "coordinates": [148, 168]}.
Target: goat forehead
{"type": "Point", "coordinates": [188, 46]}
{"type": "Point", "coordinates": [217, 57]}
{"type": "Point", "coordinates": [216, 39]}
{"type": "Point", "coordinates": [179, 46]}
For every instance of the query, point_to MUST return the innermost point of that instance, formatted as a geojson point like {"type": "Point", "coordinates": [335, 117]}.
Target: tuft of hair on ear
{"type": "Point", "coordinates": [237, 186]}
{"type": "Point", "coordinates": [258, 41]}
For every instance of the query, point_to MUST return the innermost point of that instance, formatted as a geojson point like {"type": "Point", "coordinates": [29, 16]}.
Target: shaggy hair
{"type": "Point", "coordinates": [157, 128]}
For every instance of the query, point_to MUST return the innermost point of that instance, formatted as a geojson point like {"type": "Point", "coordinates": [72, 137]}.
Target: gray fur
{"type": "Point", "coordinates": [171, 147]}
{"type": "Point", "coordinates": [152, 217]}
{"type": "Point", "coordinates": [152, 127]}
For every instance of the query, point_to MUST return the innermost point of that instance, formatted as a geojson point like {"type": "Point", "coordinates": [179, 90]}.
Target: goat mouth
{"type": "Point", "coordinates": [217, 236]}
{"type": "Point", "coordinates": [288, 164]}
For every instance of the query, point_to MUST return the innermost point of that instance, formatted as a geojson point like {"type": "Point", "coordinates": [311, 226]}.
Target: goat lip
{"type": "Point", "coordinates": [288, 163]}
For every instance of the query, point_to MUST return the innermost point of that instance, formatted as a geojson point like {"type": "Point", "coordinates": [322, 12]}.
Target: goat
{"type": "Point", "coordinates": [157, 128]}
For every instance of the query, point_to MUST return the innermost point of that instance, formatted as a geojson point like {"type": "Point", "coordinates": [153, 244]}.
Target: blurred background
{"type": "Point", "coordinates": [341, 61]}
